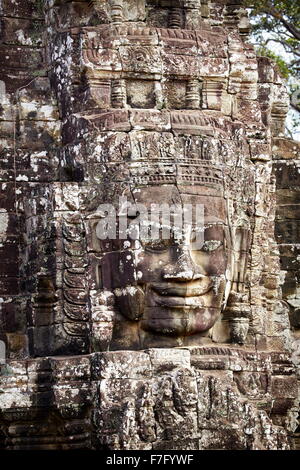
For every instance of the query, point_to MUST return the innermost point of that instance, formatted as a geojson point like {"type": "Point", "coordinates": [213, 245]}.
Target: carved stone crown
{"type": "Point", "coordinates": [191, 171]}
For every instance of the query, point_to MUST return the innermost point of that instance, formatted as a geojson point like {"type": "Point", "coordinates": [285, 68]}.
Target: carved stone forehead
{"type": "Point", "coordinates": [174, 192]}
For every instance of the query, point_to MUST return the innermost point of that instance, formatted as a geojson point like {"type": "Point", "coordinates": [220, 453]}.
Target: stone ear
{"type": "Point", "coordinates": [240, 250]}
{"type": "Point", "coordinates": [236, 306]}
{"type": "Point", "coordinates": [238, 246]}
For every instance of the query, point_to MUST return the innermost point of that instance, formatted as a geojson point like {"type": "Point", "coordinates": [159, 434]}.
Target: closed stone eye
{"type": "Point", "coordinates": [211, 245]}
{"type": "Point", "coordinates": [157, 245]}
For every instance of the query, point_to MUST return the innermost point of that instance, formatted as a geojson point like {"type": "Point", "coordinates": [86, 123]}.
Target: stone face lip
{"type": "Point", "coordinates": [130, 341]}
{"type": "Point", "coordinates": [188, 290]}
{"type": "Point", "coordinates": [179, 302]}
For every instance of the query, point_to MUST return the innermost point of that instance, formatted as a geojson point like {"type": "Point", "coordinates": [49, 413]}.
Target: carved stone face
{"type": "Point", "coordinates": [174, 288]}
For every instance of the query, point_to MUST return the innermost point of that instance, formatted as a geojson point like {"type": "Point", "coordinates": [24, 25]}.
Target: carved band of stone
{"type": "Point", "coordinates": [193, 94]}
{"type": "Point", "coordinates": [175, 19]}
{"type": "Point", "coordinates": [116, 11]}
{"type": "Point", "coordinates": [118, 94]}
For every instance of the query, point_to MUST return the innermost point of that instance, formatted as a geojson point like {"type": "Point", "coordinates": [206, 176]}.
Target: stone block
{"type": "Point", "coordinates": [121, 364]}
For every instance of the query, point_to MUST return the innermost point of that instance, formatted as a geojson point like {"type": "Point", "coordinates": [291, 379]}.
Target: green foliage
{"type": "Point", "coordinates": [276, 34]}
{"type": "Point", "coordinates": [282, 65]}
{"type": "Point", "coordinates": [277, 22]}
{"type": "Point", "coordinates": [276, 11]}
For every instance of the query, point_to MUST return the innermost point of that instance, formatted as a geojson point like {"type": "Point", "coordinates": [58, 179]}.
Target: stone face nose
{"type": "Point", "coordinates": [184, 269]}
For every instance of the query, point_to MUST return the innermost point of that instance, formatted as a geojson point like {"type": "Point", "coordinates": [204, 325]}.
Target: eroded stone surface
{"type": "Point", "coordinates": [193, 398]}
